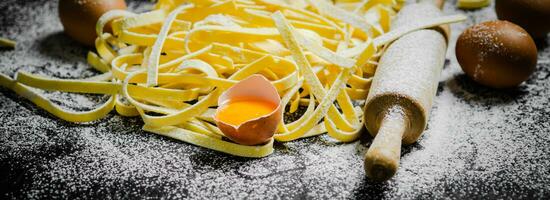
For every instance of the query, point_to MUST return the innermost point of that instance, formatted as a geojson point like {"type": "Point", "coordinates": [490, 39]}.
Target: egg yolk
{"type": "Point", "coordinates": [238, 112]}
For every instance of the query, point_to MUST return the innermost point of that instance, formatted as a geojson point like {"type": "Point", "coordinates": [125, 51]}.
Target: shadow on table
{"type": "Point", "coordinates": [59, 46]}
{"type": "Point", "coordinates": [2, 49]}
{"type": "Point", "coordinates": [371, 190]}
{"type": "Point", "coordinates": [542, 43]}
{"type": "Point", "coordinates": [471, 92]}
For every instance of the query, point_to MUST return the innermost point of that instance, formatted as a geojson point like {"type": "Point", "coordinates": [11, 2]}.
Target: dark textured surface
{"type": "Point", "coordinates": [481, 143]}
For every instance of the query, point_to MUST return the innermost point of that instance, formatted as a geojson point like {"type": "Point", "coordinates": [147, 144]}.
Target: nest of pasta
{"type": "Point", "coordinates": [170, 65]}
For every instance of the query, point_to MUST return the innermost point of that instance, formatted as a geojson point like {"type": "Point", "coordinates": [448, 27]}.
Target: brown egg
{"type": "Point", "coordinates": [498, 54]}
{"type": "Point", "coordinates": [79, 17]}
{"type": "Point", "coordinates": [249, 112]}
{"type": "Point", "coordinates": [532, 15]}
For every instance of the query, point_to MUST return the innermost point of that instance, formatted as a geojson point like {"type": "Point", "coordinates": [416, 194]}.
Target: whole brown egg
{"type": "Point", "coordinates": [79, 17]}
{"type": "Point", "coordinates": [498, 54]}
{"type": "Point", "coordinates": [532, 15]}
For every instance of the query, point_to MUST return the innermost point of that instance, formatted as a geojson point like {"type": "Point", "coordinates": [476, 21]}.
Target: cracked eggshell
{"type": "Point", "coordinates": [254, 131]}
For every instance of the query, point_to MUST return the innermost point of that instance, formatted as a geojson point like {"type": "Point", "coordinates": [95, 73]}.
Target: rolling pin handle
{"type": "Point", "coordinates": [382, 158]}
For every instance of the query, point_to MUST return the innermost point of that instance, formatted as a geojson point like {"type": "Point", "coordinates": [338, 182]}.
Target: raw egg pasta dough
{"type": "Point", "coordinates": [4, 42]}
{"type": "Point", "coordinates": [472, 4]}
{"type": "Point", "coordinates": [171, 64]}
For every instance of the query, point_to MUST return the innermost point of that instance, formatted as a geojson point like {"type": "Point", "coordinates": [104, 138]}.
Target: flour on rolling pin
{"type": "Point", "coordinates": [408, 25]}
{"type": "Point", "coordinates": [404, 85]}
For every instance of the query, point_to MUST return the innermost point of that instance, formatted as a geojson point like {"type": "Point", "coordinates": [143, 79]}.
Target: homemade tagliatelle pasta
{"type": "Point", "coordinates": [472, 4]}
{"type": "Point", "coordinates": [4, 42]}
{"type": "Point", "coordinates": [170, 65]}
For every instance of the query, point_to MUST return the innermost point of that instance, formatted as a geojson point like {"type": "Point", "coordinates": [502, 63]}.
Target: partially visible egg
{"type": "Point", "coordinates": [79, 17]}
{"type": "Point", "coordinates": [249, 112]}
{"type": "Point", "coordinates": [532, 15]}
{"type": "Point", "coordinates": [498, 54]}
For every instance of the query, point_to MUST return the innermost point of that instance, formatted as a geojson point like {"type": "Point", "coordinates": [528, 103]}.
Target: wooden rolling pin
{"type": "Point", "coordinates": [404, 85]}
